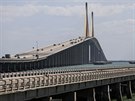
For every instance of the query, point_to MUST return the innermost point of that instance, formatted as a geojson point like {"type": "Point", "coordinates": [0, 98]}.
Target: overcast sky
{"type": "Point", "coordinates": [23, 22]}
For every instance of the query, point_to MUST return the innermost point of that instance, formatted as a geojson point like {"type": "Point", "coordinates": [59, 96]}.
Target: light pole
{"type": "Point", "coordinates": [37, 49]}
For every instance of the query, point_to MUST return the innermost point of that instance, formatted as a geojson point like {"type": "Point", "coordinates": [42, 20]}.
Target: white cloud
{"type": "Point", "coordinates": [11, 12]}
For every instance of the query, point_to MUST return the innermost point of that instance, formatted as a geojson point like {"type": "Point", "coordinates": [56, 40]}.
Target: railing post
{"type": "Point", "coordinates": [18, 84]}
{"type": "Point", "coordinates": [5, 86]}
{"type": "Point", "coordinates": [53, 80]}
{"type": "Point", "coordinates": [12, 85]}
{"type": "Point", "coordinates": [39, 78]}
{"type": "Point", "coordinates": [48, 78]}
{"type": "Point", "coordinates": [30, 83]}
{"type": "Point", "coordinates": [44, 80]}
{"type": "Point", "coordinates": [35, 82]}
{"type": "Point", "coordinates": [23, 83]}
{"type": "Point", "coordinates": [57, 79]}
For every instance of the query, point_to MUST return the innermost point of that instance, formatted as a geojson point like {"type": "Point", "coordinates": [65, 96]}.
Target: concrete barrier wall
{"type": "Point", "coordinates": [106, 84]}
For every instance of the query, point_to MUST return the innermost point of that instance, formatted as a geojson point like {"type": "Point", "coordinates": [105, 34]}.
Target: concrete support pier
{"type": "Point", "coordinates": [128, 90]}
{"type": "Point", "coordinates": [116, 92]}
{"type": "Point", "coordinates": [91, 95]}
{"type": "Point", "coordinates": [103, 93]}
{"type": "Point", "coordinates": [133, 86]}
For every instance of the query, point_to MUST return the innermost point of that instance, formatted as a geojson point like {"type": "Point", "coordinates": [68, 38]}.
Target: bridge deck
{"type": "Point", "coordinates": [45, 51]}
{"type": "Point", "coordinates": [27, 80]}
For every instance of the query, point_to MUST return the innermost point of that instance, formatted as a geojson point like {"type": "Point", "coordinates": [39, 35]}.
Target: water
{"type": "Point", "coordinates": [92, 66]}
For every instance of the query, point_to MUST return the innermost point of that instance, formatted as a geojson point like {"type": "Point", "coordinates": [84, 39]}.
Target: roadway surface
{"type": "Point", "coordinates": [46, 51]}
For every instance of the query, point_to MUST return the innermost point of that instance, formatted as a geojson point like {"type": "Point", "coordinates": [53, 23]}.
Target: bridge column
{"type": "Point", "coordinates": [103, 93]}
{"type": "Point", "coordinates": [128, 90]}
{"type": "Point", "coordinates": [116, 91]}
{"type": "Point", "coordinates": [91, 95]}
{"type": "Point", "coordinates": [69, 97]}
{"type": "Point", "coordinates": [133, 86]}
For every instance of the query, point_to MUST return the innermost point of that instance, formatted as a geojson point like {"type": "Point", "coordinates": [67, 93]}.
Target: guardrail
{"type": "Point", "coordinates": [23, 83]}
{"type": "Point", "coordinates": [38, 72]}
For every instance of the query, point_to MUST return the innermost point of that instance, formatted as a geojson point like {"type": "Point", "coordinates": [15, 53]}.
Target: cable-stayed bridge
{"type": "Point", "coordinates": [75, 70]}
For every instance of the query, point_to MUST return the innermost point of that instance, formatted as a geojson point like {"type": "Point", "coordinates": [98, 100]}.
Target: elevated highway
{"type": "Point", "coordinates": [47, 84]}
{"type": "Point", "coordinates": [82, 50]}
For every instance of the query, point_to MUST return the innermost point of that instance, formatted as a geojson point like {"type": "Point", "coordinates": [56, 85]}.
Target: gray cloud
{"type": "Point", "coordinates": [11, 12]}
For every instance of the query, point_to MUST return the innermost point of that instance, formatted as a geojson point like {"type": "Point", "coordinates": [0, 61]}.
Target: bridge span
{"type": "Point", "coordinates": [88, 84]}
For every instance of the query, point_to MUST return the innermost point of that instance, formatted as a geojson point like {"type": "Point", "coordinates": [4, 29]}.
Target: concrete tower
{"type": "Point", "coordinates": [86, 22]}
{"type": "Point", "coordinates": [92, 26]}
